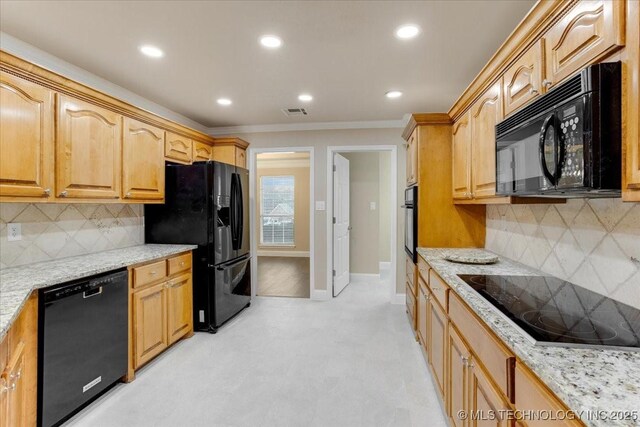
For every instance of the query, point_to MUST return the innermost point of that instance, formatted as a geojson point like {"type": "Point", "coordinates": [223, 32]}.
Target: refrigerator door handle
{"type": "Point", "coordinates": [229, 264]}
{"type": "Point", "coordinates": [239, 211]}
{"type": "Point", "coordinates": [233, 212]}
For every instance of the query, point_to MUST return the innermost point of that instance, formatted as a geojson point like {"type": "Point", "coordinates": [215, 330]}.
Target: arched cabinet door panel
{"type": "Point", "coordinates": [142, 161]}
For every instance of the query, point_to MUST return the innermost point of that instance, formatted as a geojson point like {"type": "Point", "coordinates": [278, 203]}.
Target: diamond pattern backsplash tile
{"type": "Point", "coordinates": [52, 231]}
{"type": "Point", "coordinates": [594, 243]}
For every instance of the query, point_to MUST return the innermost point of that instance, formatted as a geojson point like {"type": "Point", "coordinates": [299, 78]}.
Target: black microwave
{"type": "Point", "coordinates": [566, 143]}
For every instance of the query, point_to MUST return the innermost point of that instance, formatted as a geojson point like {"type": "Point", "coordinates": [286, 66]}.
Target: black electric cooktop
{"type": "Point", "coordinates": [556, 312]}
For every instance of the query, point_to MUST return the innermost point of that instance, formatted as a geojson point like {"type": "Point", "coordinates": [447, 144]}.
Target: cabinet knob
{"type": "Point", "coordinates": [3, 387]}
{"type": "Point", "coordinates": [128, 194]}
{"type": "Point", "coordinates": [436, 289]}
{"type": "Point", "coordinates": [533, 91]}
{"type": "Point", "coordinates": [63, 194]}
{"type": "Point", "coordinates": [465, 360]}
{"type": "Point", "coordinates": [153, 272]}
{"type": "Point", "coordinates": [181, 263]}
{"type": "Point", "coordinates": [547, 83]}
{"type": "Point", "coordinates": [47, 191]}
{"type": "Point", "coordinates": [16, 375]}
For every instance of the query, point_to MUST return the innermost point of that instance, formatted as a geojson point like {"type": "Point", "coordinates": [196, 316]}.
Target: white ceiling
{"type": "Point", "coordinates": [343, 53]}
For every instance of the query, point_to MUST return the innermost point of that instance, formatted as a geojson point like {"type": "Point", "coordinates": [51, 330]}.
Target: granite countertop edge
{"type": "Point", "coordinates": [585, 379]}
{"type": "Point", "coordinates": [17, 283]}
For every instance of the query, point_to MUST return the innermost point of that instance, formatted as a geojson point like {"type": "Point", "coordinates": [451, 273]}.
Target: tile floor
{"type": "Point", "coordinates": [351, 361]}
{"type": "Point", "coordinates": [280, 276]}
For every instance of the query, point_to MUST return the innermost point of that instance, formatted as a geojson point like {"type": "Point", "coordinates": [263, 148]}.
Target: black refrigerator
{"type": "Point", "coordinates": [207, 204]}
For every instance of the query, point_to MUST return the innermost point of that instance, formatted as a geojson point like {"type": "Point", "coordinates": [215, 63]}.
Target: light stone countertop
{"type": "Point", "coordinates": [586, 379]}
{"type": "Point", "coordinates": [16, 283]}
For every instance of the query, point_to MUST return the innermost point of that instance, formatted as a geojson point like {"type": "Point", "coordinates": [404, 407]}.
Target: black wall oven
{"type": "Point", "coordinates": [411, 222]}
{"type": "Point", "coordinates": [566, 143]}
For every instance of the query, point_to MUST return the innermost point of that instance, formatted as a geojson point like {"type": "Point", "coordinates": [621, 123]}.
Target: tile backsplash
{"type": "Point", "coordinates": [593, 243]}
{"type": "Point", "coordinates": [51, 231]}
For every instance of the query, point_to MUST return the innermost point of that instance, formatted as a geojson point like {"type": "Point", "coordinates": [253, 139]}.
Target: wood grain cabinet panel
{"type": "Point", "coordinates": [202, 152]}
{"type": "Point", "coordinates": [410, 301]}
{"type": "Point", "coordinates": [88, 144]}
{"type": "Point", "coordinates": [241, 158]}
{"type": "Point", "coordinates": [150, 323]}
{"type": "Point", "coordinates": [179, 307]}
{"type": "Point", "coordinates": [225, 154]}
{"type": "Point", "coordinates": [412, 158]}
{"type": "Point", "coordinates": [26, 139]}
{"type": "Point", "coordinates": [232, 151]}
{"type": "Point", "coordinates": [589, 31]}
{"type": "Point", "coordinates": [461, 157]}
{"type": "Point", "coordinates": [522, 82]}
{"type": "Point", "coordinates": [458, 357]}
{"type": "Point", "coordinates": [142, 161]}
{"type": "Point", "coordinates": [485, 114]}
{"type": "Point", "coordinates": [631, 111]}
{"type": "Point", "coordinates": [438, 323]}
{"type": "Point", "coordinates": [178, 148]}
{"type": "Point", "coordinates": [423, 312]}
{"type": "Point", "coordinates": [485, 399]}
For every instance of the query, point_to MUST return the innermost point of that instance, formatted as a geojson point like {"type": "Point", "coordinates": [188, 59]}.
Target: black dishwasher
{"type": "Point", "coordinates": [82, 343]}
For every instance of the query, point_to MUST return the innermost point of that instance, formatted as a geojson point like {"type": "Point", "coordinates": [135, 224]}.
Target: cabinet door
{"type": "Point", "coordinates": [241, 158]}
{"type": "Point", "coordinates": [485, 113]}
{"type": "Point", "coordinates": [150, 323]}
{"type": "Point", "coordinates": [202, 152]}
{"type": "Point", "coordinates": [26, 138]}
{"type": "Point", "coordinates": [423, 307]}
{"type": "Point", "coordinates": [177, 148]}
{"type": "Point", "coordinates": [14, 378]}
{"type": "Point", "coordinates": [585, 34]}
{"type": "Point", "coordinates": [143, 161]}
{"type": "Point", "coordinates": [485, 399]}
{"type": "Point", "coordinates": [87, 151]}
{"type": "Point", "coordinates": [225, 154]}
{"type": "Point", "coordinates": [411, 305]}
{"type": "Point", "coordinates": [523, 80]}
{"type": "Point", "coordinates": [461, 167]}
{"type": "Point", "coordinates": [412, 158]}
{"type": "Point", "coordinates": [179, 307]}
{"type": "Point", "coordinates": [458, 356]}
{"type": "Point", "coordinates": [437, 337]}
{"type": "Point", "coordinates": [631, 111]}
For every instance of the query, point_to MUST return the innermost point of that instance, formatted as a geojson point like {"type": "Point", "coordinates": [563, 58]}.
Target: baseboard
{"type": "Point", "coordinates": [320, 295]}
{"type": "Point", "coordinates": [297, 254]}
{"type": "Point", "coordinates": [362, 277]}
{"type": "Point", "coordinates": [399, 299]}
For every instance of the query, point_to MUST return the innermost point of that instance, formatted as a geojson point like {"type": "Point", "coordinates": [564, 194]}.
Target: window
{"type": "Point", "coordinates": [277, 210]}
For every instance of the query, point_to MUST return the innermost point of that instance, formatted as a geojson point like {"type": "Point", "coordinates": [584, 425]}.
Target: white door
{"type": "Point", "coordinates": [340, 224]}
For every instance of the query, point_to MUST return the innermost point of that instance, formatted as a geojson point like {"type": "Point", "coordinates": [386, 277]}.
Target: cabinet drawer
{"type": "Point", "coordinates": [149, 273]}
{"type": "Point", "coordinates": [411, 276]}
{"type": "Point", "coordinates": [411, 306]}
{"type": "Point", "coordinates": [493, 355]}
{"type": "Point", "coordinates": [423, 269]}
{"type": "Point", "coordinates": [178, 264]}
{"type": "Point", "coordinates": [439, 289]}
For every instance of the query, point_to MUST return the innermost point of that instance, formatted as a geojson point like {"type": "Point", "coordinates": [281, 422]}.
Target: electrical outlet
{"type": "Point", "coordinates": [372, 206]}
{"type": "Point", "coordinates": [14, 231]}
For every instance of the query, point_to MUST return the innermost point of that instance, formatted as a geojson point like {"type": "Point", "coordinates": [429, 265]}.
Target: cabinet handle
{"type": "Point", "coordinates": [181, 263]}
{"type": "Point", "coordinates": [63, 194]}
{"type": "Point", "coordinates": [547, 83]}
{"type": "Point", "coordinates": [3, 387]}
{"type": "Point", "coordinates": [16, 375]}
{"type": "Point", "coordinates": [153, 272]}
{"type": "Point", "coordinates": [533, 91]}
{"type": "Point", "coordinates": [47, 192]}
{"type": "Point", "coordinates": [465, 360]}
{"type": "Point", "coordinates": [128, 194]}
{"type": "Point", "coordinates": [436, 289]}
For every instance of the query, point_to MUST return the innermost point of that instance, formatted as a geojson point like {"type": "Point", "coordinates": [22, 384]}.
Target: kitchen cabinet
{"type": "Point", "coordinates": [142, 162]}
{"type": "Point", "coordinates": [485, 114]}
{"type": "Point", "coordinates": [202, 152]}
{"type": "Point", "coordinates": [19, 368]}
{"type": "Point", "coordinates": [412, 159]}
{"type": "Point", "coordinates": [461, 164]}
{"type": "Point", "coordinates": [585, 34]}
{"type": "Point", "coordinates": [458, 357]}
{"type": "Point", "coordinates": [231, 151]}
{"type": "Point", "coordinates": [26, 140]}
{"type": "Point", "coordinates": [485, 399]}
{"type": "Point", "coordinates": [88, 144]}
{"type": "Point", "coordinates": [161, 294]}
{"type": "Point", "coordinates": [177, 148]}
{"type": "Point", "coordinates": [630, 110]}
{"type": "Point", "coordinates": [423, 313]}
{"type": "Point", "coordinates": [522, 81]}
{"type": "Point", "coordinates": [410, 301]}
{"type": "Point", "coordinates": [437, 341]}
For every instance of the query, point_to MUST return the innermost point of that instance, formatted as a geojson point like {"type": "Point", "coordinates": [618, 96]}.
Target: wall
{"type": "Point", "coordinates": [301, 176]}
{"type": "Point", "coordinates": [52, 231]}
{"type": "Point", "coordinates": [589, 242]}
{"type": "Point", "coordinates": [384, 207]}
{"type": "Point", "coordinates": [320, 140]}
{"type": "Point", "coordinates": [364, 188]}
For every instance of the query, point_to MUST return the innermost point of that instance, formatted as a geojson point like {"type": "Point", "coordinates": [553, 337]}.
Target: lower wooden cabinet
{"type": "Point", "coordinates": [485, 400]}
{"type": "Point", "coordinates": [161, 307]}
{"type": "Point", "coordinates": [438, 323]}
{"type": "Point", "coordinates": [19, 365]}
{"type": "Point", "coordinates": [410, 301]}
{"type": "Point", "coordinates": [458, 378]}
{"type": "Point", "coordinates": [423, 314]}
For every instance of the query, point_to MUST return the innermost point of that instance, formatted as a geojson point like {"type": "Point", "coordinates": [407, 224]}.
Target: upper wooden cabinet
{"type": "Point", "coordinates": [523, 80]}
{"type": "Point", "coordinates": [231, 151]}
{"type": "Point", "coordinates": [585, 34]}
{"type": "Point", "coordinates": [202, 152]}
{"type": "Point", "coordinates": [461, 164]}
{"type": "Point", "coordinates": [412, 158]}
{"type": "Point", "coordinates": [142, 161]}
{"type": "Point", "coordinates": [485, 114]}
{"type": "Point", "coordinates": [88, 143]}
{"type": "Point", "coordinates": [26, 139]}
{"type": "Point", "coordinates": [177, 148]}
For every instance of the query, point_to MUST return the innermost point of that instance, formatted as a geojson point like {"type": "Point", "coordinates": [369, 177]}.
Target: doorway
{"type": "Point", "coordinates": [362, 217]}
{"type": "Point", "coordinates": [281, 192]}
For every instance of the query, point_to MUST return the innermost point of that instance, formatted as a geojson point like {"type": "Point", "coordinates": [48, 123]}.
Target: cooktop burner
{"type": "Point", "coordinates": [556, 312]}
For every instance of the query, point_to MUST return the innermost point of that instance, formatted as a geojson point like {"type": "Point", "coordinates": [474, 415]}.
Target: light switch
{"type": "Point", "coordinates": [372, 206]}
{"type": "Point", "coordinates": [320, 205]}
{"type": "Point", "coordinates": [14, 231]}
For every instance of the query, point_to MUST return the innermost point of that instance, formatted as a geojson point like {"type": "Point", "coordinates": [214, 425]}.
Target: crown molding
{"type": "Point", "coordinates": [293, 127]}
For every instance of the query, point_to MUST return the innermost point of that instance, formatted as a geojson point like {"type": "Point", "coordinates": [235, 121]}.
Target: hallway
{"type": "Point", "coordinates": [347, 362]}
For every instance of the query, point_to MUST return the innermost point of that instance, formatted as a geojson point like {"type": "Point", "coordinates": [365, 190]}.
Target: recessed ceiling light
{"type": "Point", "coordinates": [151, 51]}
{"type": "Point", "coordinates": [393, 94]}
{"type": "Point", "coordinates": [271, 42]}
{"type": "Point", "coordinates": [407, 31]}
{"type": "Point", "coordinates": [305, 97]}
{"type": "Point", "coordinates": [224, 101]}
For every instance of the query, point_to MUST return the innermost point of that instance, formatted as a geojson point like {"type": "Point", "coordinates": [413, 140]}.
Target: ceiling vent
{"type": "Point", "coordinates": [290, 112]}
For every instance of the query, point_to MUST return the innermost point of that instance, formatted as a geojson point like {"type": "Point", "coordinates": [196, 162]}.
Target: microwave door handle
{"type": "Point", "coordinates": [548, 122]}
